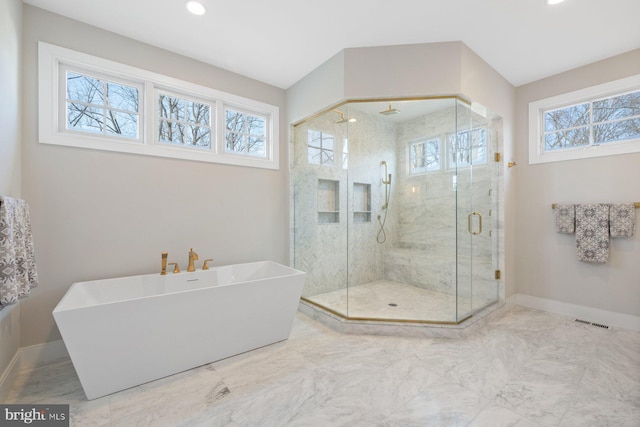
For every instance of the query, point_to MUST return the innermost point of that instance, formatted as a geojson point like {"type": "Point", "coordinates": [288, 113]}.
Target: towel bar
{"type": "Point", "coordinates": [635, 204]}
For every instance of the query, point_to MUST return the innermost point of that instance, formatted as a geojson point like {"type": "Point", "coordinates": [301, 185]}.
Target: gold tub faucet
{"type": "Point", "coordinates": [164, 263]}
{"type": "Point", "coordinates": [192, 257]}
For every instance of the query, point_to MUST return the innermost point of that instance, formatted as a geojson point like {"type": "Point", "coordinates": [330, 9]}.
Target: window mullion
{"type": "Point", "coordinates": [104, 107]}
{"type": "Point", "coordinates": [221, 128]}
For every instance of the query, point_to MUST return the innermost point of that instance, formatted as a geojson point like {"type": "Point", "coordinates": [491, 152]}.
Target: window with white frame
{"type": "Point", "coordinates": [90, 102]}
{"type": "Point", "coordinates": [97, 105]}
{"type": "Point", "coordinates": [424, 156]}
{"type": "Point", "coordinates": [597, 121]}
{"type": "Point", "coordinates": [246, 133]}
{"type": "Point", "coordinates": [320, 148]}
{"type": "Point", "coordinates": [184, 122]}
{"type": "Point", "coordinates": [468, 148]}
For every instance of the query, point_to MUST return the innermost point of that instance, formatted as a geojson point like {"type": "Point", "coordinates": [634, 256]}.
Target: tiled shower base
{"type": "Point", "coordinates": [375, 308]}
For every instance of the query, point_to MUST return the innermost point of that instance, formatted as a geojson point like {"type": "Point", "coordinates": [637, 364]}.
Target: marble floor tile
{"type": "Point", "coordinates": [525, 369]}
{"type": "Point", "coordinates": [596, 410]}
{"type": "Point", "coordinates": [441, 404]}
{"type": "Point", "coordinates": [498, 416]}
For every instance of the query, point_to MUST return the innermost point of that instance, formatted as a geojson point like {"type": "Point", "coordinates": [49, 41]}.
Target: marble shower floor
{"type": "Point", "coordinates": [371, 300]}
{"type": "Point", "coordinates": [526, 369]}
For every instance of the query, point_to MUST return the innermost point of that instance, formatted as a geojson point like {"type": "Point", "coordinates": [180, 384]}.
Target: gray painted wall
{"type": "Point", "coordinates": [10, 144]}
{"type": "Point", "coordinates": [99, 214]}
{"type": "Point", "coordinates": [546, 263]}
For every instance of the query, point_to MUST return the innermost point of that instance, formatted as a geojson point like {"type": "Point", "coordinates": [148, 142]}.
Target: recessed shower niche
{"type": "Point", "coordinates": [401, 255]}
{"type": "Point", "coordinates": [328, 201]}
{"type": "Point", "coordinates": [361, 202]}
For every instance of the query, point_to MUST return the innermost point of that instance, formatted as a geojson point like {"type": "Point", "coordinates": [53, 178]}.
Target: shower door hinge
{"type": "Point", "coordinates": [497, 157]}
{"type": "Point", "coordinates": [498, 274]}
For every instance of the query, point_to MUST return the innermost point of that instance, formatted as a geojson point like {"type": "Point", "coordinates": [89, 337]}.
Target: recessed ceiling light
{"type": "Point", "coordinates": [196, 7]}
{"type": "Point", "coordinates": [554, 1]}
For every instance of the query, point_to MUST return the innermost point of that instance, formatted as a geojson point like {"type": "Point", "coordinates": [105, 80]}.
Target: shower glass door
{"type": "Point", "coordinates": [472, 153]}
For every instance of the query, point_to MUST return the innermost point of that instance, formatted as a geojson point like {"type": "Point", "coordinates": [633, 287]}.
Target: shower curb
{"type": "Point", "coordinates": [406, 329]}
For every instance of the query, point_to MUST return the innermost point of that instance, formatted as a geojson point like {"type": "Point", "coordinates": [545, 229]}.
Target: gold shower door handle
{"type": "Point", "coordinates": [479, 215]}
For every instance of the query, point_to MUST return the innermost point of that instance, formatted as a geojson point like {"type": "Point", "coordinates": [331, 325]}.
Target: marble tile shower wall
{"type": "Point", "coordinates": [320, 248]}
{"type": "Point", "coordinates": [426, 247]}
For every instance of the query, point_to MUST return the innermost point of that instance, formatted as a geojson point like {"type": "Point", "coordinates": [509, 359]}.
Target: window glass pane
{"type": "Point", "coordinates": [198, 136]}
{"type": "Point", "coordinates": [566, 139]}
{"type": "Point", "coordinates": [171, 108]}
{"type": "Point", "coordinates": [313, 155]}
{"type": "Point", "coordinates": [256, 145]}
{"type": "Point", "coordinates": [321, 147]}
{"type": "Point", "coordinates": [326, 158]}
{"type": "Point", "coordinates": [236, 142]}
{"type": "Point", "coordinates": [470, 147]}
{"type": "Point", "coordinates": [327, 142]}
{"type": "Point", "coordinates": [124, 124]}
{"type": "Point", "coordinates": [425, 156]}
{"type": "Point", "coordinates": [616, 131]}
{"type": "Point", "coordinates": [617, 107]}
{"type": "Point", "coordinates": [256, 125]}
{"type": "Point", "coordinates": [314, 138]}
{"type": "Point", "coordinates": [565, 118]}
{"type": "Point", "coordinates": [84, 118]}
{"type": "Point", "coordinates": [171, 132]}
{"type": "Point", "coordinates": [432, 155]}
{"type": "Point", "coordinates": [479, 146]}
{"type": "Point", "coordinates": [122, 97]}
{"type": "Point", "coordinates": [198, 113]}
{"type": "Point", "coordinates": [84, 89]}
{"type": "Point", "coordinates": [234, 120]}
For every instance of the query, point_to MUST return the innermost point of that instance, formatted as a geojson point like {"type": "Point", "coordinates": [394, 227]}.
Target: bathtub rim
{"type": "Point", "coordinates": [60, 306]}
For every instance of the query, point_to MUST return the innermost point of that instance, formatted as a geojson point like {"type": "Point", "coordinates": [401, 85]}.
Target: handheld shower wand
{"type": "Point", "coordinates": [386, 180]}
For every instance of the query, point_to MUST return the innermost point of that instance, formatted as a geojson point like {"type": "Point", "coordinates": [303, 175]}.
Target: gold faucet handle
{"type": "Point", "coordinates": [205, 266]}
{"type": "Point", "coordinates": [176, 269]}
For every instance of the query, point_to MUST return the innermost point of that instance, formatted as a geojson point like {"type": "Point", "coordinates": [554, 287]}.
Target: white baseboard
{"type": "Point", "coordinates": [30, 356]}
{"type": "Point", "coordinates": [605, 317]}
{"type": "Point", "coordinates": [42, 353]}
{"type": "Point", "coordinates": [8, 376]}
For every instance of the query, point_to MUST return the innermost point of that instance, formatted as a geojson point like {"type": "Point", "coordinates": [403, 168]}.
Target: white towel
{"type": "Point", "coordinates": [592, 233]}
{"type": "Point", "coordinates": [17, 262]}
{"type": "Point", "coordinates": [622, 220]}
{"type": "Point", "coordinates": [565, 218]}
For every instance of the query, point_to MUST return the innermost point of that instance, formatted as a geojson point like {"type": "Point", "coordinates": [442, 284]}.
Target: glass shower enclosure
{"type": "Point", "coordinates": [395, 209]}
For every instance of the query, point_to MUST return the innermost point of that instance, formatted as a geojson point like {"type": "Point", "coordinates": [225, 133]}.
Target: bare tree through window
{"type": "Point", "coordinates": [425, 155]}
{"type": "Point", "coordinates": [595, 122]}
{"type": "Point", "coordinates": [101, 106]}
{"type": "Point", "coordinates": [184, 122]}
{"type": "Point", "coordinates": [245, 133]}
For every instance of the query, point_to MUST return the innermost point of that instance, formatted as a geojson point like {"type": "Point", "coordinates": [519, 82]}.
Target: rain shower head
{"type": "Point", "coordinates": [389, 111]}
{"type": "Point", "coordinates": [344, 119]}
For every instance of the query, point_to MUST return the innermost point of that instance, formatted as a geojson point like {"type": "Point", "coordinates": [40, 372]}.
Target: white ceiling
{"type": "Point", "coordinates": [280, 41]}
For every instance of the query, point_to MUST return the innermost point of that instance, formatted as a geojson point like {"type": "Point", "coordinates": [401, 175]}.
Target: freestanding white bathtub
{"type": "Point", "coordinates": [127, 331]}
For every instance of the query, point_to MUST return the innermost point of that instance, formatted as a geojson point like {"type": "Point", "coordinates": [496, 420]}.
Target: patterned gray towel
{"type": "Point", "coordinates": [565, 218]}
{"type": "Point", "coordinates": [592, 233]}
{"type": "Point", "coordinates": [17, 262]}
{"type": "Point", "coordinates": [622, 220]}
